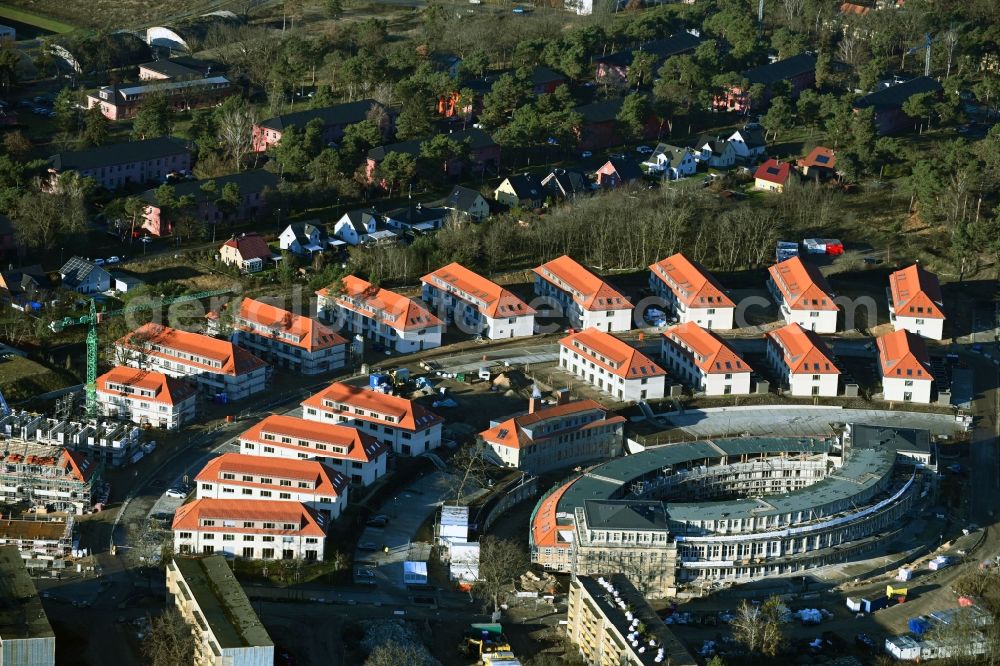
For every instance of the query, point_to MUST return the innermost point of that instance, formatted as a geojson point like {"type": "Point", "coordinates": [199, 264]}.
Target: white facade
{"type": "Point", "coordinates": [476, 305]}
{"type": "Point", "coordinates": [632, 389]}
{"type": "Point", "coordinates": [358, 469]}
{"type": "Point", "coordinates": [803, 384]}
{"type": "Point", "coordinates": [583, 297]}
{"type": "Point", "coordinates": [720, 317]}
{"type": "Point", "coordinates": [926, 327]}
{"type": "Point", "coordinates": [368, 326]}
{"type": "Point", "coordinates": [469, 319]}
{"type": "Point", "coordinates": [818, 321]}
{"type": "Point", "coordinates": [145, 402]}
{"type": "Point", "coordinates": [681, 365]}
{"type": "Point", "coordinates": [907, 389]}
{"type": "Point", "coordinates": [278, 543]}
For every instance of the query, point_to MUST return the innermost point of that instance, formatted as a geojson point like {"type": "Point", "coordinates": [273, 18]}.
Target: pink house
{"type": "Point", "coordinates": [334, 118]}
{"type": "Point", "coordinates": [132, 162]}
{"type": "Point", "coordinates": [614, 66]}
{"type": "Point", "coordinates": [617, 173]}
{"type": "Point", "coordinates": [254, 187]}
{"type": "Point", "coordinates": [798, 71]}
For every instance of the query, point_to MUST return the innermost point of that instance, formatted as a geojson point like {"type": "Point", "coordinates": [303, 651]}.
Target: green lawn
{"type": "Point", "coordinates": [37, 20]}
{"type": "Point", "coordinates": [22, 378]}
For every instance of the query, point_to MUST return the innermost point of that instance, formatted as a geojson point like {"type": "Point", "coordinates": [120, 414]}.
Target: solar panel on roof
{"type": "Point", "coordinates": [822, 159]}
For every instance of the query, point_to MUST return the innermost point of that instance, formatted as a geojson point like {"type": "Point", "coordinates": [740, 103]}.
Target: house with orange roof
{"type": "Point", "coordinates": [803, 295]}
{"type": "Point", "coordinates": [250, 529]}
{"type": "Point", "coordinates": [803, 362]}
{"type": "Point", "coordinates": [701, 359]}
{"type": "Point", "coordinates": [559, 436]}
{"type": "Point", "coordinates": [357, 455]}
{"type": "Point", "coordinates": [311, 482]}
{"type": "Point", "coordinates": [586, 300]}
{"type": "Point", "coordinates": [380, 316]}
{"type": "Point", "coordinates": [146, 397]}
{"type": "Point", "coordinates": [821, 162]}
{"type": "Point", "coordinates": [220, 368]}
{"type": "Point", "coordinates": [915, 302]}
{"type": "Point", "coordinates": [476, 305]}
{"type": "Point", "coordinates": [406, 426]}
{"type": "Point", "coordinates": [611, 365]}
{"type": "Point", "coordinates": [691, 292]}
{"type": "Point", "coordinates": [905, 366]}
{"type": "Point", "coordinates": [772, 176]}
{"type": "Point", "coordinates": [288, 340]}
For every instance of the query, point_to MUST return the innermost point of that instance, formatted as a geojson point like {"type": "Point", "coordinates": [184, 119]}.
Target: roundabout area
{"type": "Point", "coordinates": [678, 517]}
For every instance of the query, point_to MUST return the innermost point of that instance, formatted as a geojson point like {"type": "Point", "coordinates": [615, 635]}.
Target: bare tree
{"type": "Point", "coordinates": [236, 122]}
{"type": "Point", "coordinates": [471, 469]}
{"type": "Point", "coordinates": [393, 654]}
{"type": "Point", "coordinates": [501, 562]}
{"type": "Point", "coordinates": [170, 641]}
{"type": "Point", "coordinates": [758, 628]}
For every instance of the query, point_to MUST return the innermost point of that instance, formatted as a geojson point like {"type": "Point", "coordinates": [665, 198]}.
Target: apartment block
{"type": "Point", "coordinates": [905, 366]}
{"type": "Point", "coordinates": [693, 294]}
{"type": "Point", "coordinates": [47, 478]}
{"type": "Point", "coordinates": [586, 300]}
{"type": "Point", "coordinates": [288, 340]}
{"type": "Point", "coordinates": [555, 437]}
{"type": "Point", "coordinates": [219, 367]}
{"type": "Point", "coordinates": [612, 624]}
{"type": "Point", "coordinates": [245, 477]}
{"type": "Point", "coordinates": [406, 426]}
{"type": "Point", "coordinates": [380, 316]}
{"type": "Point", "coordinates": [251, 529]}
{"type": "Point", "coordinates": [613, 366]}
{"type": "Point", "coordinates": [700, 358]}
{"type": "Point", "coordinates": [26, 637]}
{"type": "Point", "coordinates": [803, 295]}
{"type": "Point", "coordinates": [477, 305]}
{"type": "Point", "coordinates": [357, 455]}
{"type": "Point", "coordinates": [226, 629]}
{"type": "Point", "coordinates": [803, 361]}
{"type": "Point", "coordinates": [915, 302]}
{"type": "Point", "coordinates": [146, 397]}
{"type": "Point", "coordinates": [43, 544]}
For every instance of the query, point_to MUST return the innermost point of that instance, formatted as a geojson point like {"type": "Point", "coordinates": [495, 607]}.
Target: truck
{"type": "Point", "coordinates": [485, 638]}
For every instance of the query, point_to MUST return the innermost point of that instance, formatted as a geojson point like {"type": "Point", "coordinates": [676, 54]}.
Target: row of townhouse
{"type": "Point", "coordinates": [585, 300]}
{"type": "Point", "coordinates": [146, 397]}
{"type": "Point", "coordinates": [611, 365]}
{"type": "Point", "coordinates": [380, 316]}
{"type": "Point", "coordinates": [288, 340]}
{"type": "Point", "coordinates": [477, 305]}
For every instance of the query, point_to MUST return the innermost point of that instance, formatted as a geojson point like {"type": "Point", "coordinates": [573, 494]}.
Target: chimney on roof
{"type": "Point", "coordinates": [562, 396]}
{"type": "Point", "coordinates": [533, 405]}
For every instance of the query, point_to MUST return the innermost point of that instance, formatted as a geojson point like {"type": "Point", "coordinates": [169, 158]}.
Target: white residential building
{"type": "Point", "coordinates": [227, 632]}
{"type": "Point", "coordinates": [244, 477]}
{"type": "Point", "coordinates": [555, 437]}
{"type": "Point", "coordinates": [407, 427]}
{"type": "Point", "coordinates": [586, 300]}
{"type": "Point", "coordinates": [250, 529]}
{"type": "Point", "coordinates": [219, 367]}
{"type": "Point", "coordinates": [288, 340]}
{"type": "Point", "coordinates": [905, 366]}
{"type": "Point", "coordinates": [915, 302]}
{"type": "Point", "coordinates": [803, 295]}
{"type": "Point", "coordinates": [476, 305]}
{"type": "Point", "coordinates": [803, 362]}
{"type": "Point", "coordinates": [672, 161]}
{"type": "Point", "coordinates": [357, 455]}
{"type": "Point", "coordinates": [604, 361]}
{"type": "Point", "coordinates": [691, 292]}
{"type": "Point", "coordinates": [703, 360]}
{"type": "Point", "coordinates": [146, 397]}
{"type": "Point", "coordinates": [380, 316]}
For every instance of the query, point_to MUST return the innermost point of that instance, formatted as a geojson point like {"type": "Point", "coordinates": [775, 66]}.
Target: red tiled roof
{"type": "Point", "coordinates": [78, 465]}
{"type": "Point", "coordinates": [803, 351]}
{"type": "Point", "coordinates": [166, 390]}
{"type": "Point", "coordinates": [820, 157]}
{"type": "Point", "coordinates": [298, 331]}
{"type": "Point", "coordinates": [544, 527]}
{"type": "Point", "coordinates": [250, 246]}
{"type": "Point", "coordinates": [709, 351]}
{"type": "Point", "coordinates": [588, 290]}
{"type": "Point", "coordinates": [406, 414]}
{"type": "Point", "coordinates": [620, 358]}
{"type": "Point", "coordinates": [329, 482]}
{"type": "Point", "coordinates": [692, 285]}
{"type": "Point", "coordinates": [904, 354]}
{"type": "Point", "coordinates": [189, 516]}
{"type": "Point", "coordinates": [390, 308]}
{"type": "Point", "coordinates": [916, 293]}
{"type": "Point", "coordinates": [490, 298]}
{"type": "Point", "coordinates": [851, 8]}
{"type": "Point", "coordinates": [511, 432]}
{"type": "Point", "coordinates": [233, 360]}
{"type": "Point", "coordinates": [358, 446]}
{"type": "Point", "coordinates": [773, 171]}
{"type": "Point", "coordinates": [801, 285]}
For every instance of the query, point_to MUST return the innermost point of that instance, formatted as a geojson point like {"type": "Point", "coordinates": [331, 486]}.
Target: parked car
{"type": "Point", "coordinates": [585, 154]}
{"type": "Point", "coordinates": [176, 493]}
{"type": "Point", "coordinates": [617, 156]}
{"type": "Point", "coordinates": [99, 262]}
{"type": "Point", "coordinates": [644, 150]}
{"type": "Point", "coordinates": [114, 260]}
